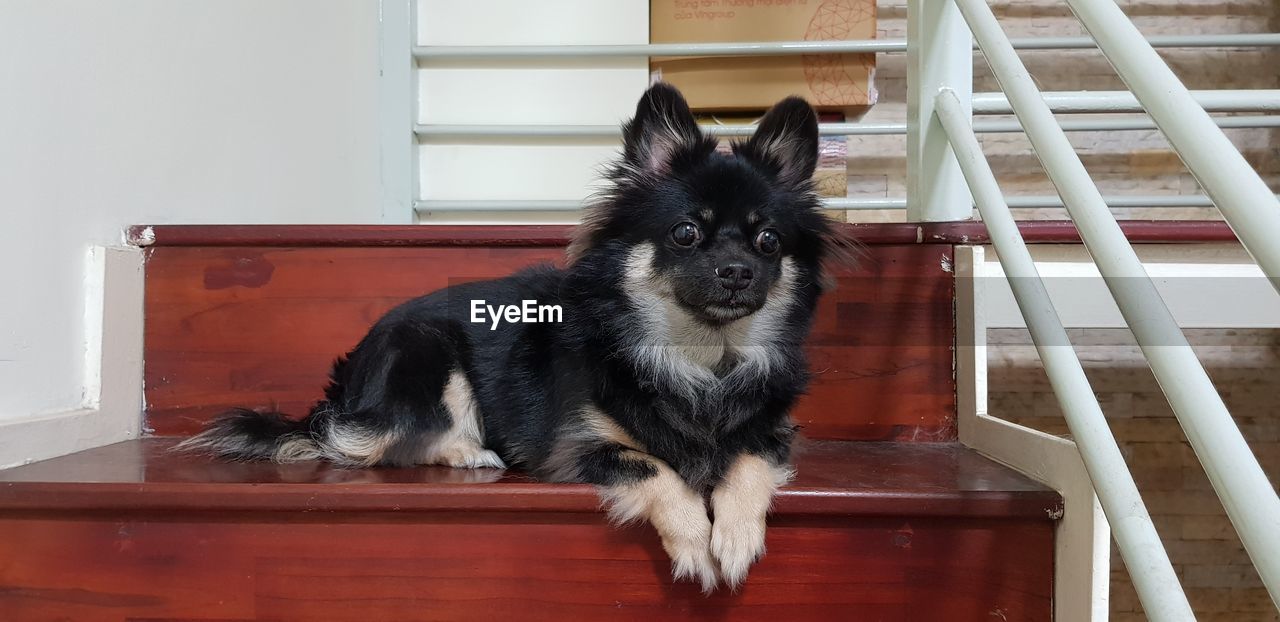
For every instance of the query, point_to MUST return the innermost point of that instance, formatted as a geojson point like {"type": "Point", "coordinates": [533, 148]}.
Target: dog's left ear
{"type": "Point", "coordinates": [787, 139]}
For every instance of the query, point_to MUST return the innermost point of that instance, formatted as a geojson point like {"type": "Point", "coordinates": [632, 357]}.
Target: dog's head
{"type": "Point", "coordinates": [716, 231]}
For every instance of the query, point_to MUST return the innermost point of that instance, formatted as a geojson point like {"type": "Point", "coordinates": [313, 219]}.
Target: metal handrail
{"type": "Point", "coordinates": [1239, 192]}
{"type": "Point", "coordinates": [1222, 100]}
{"type": "Point", "coordinates": [1238, 479]}
{"type": "Point", "coordinates": [782, 48]}
{"type": "Point", "coordinates": [1136, 535]}
{"type": "Point", "coordinates": [835, 203]}
{"type": "Point", "coordinates": [1102, 124]}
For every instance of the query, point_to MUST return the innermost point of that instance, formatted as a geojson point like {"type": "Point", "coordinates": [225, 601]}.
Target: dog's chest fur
{"type": "Point", "coordinates": [706, 382]}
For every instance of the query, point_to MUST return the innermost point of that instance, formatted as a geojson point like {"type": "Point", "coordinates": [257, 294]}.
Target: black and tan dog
{"type": "Point", "coordinates": [667, 379]}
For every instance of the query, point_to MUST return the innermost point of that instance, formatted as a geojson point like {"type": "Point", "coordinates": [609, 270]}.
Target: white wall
{"type": "Point", "coordinates": [119, 112]}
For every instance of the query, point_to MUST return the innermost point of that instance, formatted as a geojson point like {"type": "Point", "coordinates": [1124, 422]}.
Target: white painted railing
{"type": "Point", "coordinates": [1237, 190]}
{"type": "Point", "coordinates": [932, 159]}
{"type": "Point", "coordinates": [1249, 498]}
{"type": "Point", "coordinates": [782, 48]}
{"type": "Point", "coordinates": [1140, 545]}
{"type": "Point", "coordinates": [1260, 100]}
{"type": "Point", "coordinates": [1097, 124]}
{"type": "Point", "coordinates": [842, 203]}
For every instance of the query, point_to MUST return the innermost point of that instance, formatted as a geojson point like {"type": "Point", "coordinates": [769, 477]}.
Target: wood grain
{"type": "Point", "coordinates": [520, 568]}
{"type": "Point", "coordinates": [868, 531]}
{"type": "Point", "coordinates": [556, 235]}
{"type": "Point", "coordinates": [259, 326]}
{"type": "Point", "coordinates": [834, 478]}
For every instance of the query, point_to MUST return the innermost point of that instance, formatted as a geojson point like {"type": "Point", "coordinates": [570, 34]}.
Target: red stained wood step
{"type": "Point", "coordinates": [868, 531]}
{"type": "Point", "coordinates": [971, 232]}
{"type": "Point", "coordinates": [833, 478]}
{"type": "Point", "coordinates": [260, 327]}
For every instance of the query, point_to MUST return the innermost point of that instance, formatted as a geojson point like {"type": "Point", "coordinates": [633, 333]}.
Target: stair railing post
{"type": "Point", "coordinates": [939, 55]}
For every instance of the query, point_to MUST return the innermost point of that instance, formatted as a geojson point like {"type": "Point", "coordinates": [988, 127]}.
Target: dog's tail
{"type": "Point", "coordinates": [243, 434]}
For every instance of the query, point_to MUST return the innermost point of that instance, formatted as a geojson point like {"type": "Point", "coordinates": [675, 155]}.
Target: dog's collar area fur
{"type": "Point", "coordinates": [688, 355]}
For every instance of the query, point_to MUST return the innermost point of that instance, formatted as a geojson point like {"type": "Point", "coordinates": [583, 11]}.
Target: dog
{"type": "Point", "coordinates": [666, 382]}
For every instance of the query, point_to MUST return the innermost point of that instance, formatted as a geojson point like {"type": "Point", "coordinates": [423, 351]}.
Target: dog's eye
{"type": "Point", "coordinates": [686, 234]}
{"type": "Point", "coordinates": [768, 241]}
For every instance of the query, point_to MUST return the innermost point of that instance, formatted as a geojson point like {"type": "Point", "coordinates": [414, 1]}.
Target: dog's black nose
{"type": "Point", "coordinates": [734, 276]}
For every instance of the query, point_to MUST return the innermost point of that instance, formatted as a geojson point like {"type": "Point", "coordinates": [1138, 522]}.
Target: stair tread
{"type": "Point", "coordinates": [833, 478]}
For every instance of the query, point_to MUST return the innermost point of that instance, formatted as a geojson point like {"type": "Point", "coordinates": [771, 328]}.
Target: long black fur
{"type": "Point", "coordinates": [532, 381]}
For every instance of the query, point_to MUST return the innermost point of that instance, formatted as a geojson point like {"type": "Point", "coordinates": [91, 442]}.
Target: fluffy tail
{"type": "Point", "coordinates": [243, 434]}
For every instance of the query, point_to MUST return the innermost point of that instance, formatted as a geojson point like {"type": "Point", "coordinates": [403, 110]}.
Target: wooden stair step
{"type": "Point", "coordinates": [833, 477]}
{"type": "Point", "coordinates": [868, 531]}
{"type": "Point", "coordinates": [259, 326]}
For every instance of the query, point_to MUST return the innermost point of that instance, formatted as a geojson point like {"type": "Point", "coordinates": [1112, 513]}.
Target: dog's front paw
{"type": "Point", "coordinates": [691, 559]}
{"type": "Point", "coordinates": [737, 542]}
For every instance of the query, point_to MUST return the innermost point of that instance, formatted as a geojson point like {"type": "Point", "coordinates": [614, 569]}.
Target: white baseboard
{"type": "Point", "coordinates": [112, 409]}
{"type": "Point", "coordinates": [1193, 280]}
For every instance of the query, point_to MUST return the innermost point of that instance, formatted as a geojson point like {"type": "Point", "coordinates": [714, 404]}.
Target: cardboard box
{"type": "Point", "coordinates": [843, 82]}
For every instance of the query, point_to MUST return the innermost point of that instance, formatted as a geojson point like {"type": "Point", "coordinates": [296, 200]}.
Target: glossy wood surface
{"type": "Point", "coordinates": [898, 531]}
{"type": "Point", "coordinates": [518, 567]}
{"type": "Point", "coordinates": [556, 235]}
{"type": "Point", "coordinates": [833, 478]}
{"type": "Point", "coordinates": [259, 326]}
{"type": "Point", "coordinates": [868, 531]}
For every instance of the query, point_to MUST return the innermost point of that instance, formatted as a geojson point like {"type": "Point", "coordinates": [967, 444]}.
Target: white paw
{"type": "Point", "coordinates": [480, 459]}
{"type": "Point", "coordinates": [737, 542]}
{"type": "Point", "coordinates": [691, 561]}
{"type": "Point", "coordinates": [468, 458]}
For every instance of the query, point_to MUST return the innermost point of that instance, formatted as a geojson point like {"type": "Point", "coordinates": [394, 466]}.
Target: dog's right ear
{"type": "Point", "coordinates": [663, 125]}
{"type": "Point", "coordinates": [787, 140]}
